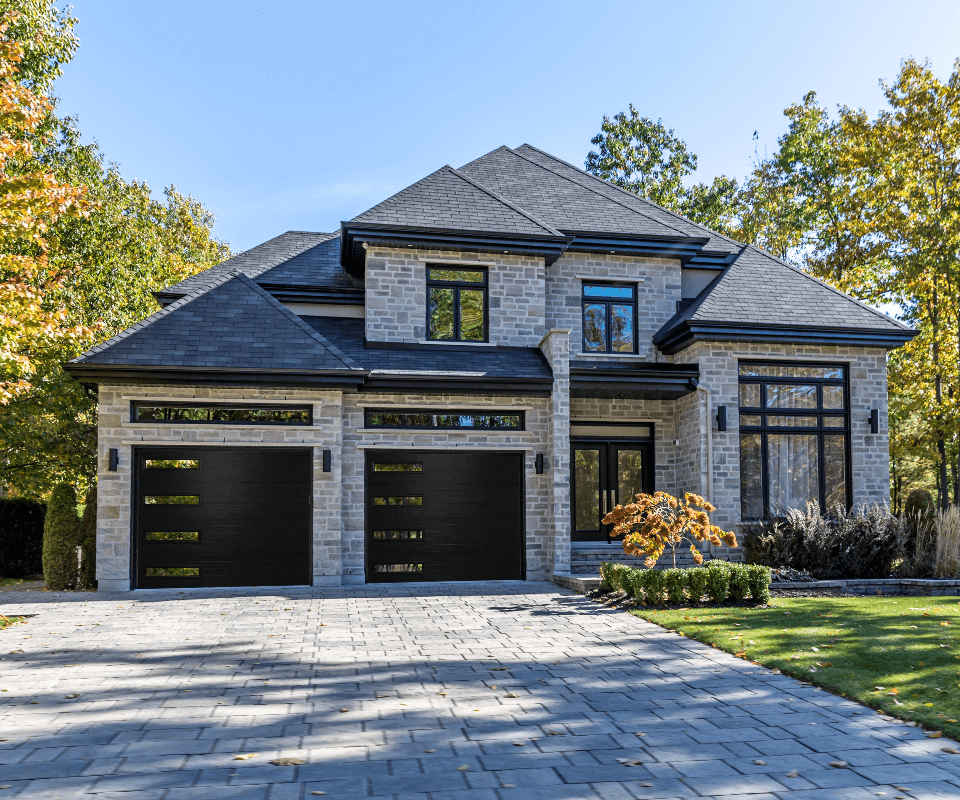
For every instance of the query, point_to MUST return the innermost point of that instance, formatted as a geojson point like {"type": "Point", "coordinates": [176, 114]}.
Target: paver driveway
{"type": "Point", "coordinates": [485, 691]}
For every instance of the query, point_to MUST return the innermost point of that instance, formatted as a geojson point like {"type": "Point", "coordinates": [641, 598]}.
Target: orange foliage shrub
{"type": "Point", "coordinates": [657, 521]}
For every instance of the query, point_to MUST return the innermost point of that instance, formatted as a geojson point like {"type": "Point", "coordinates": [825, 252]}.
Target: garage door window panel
{"type": "Point", "coordinates": [453, 419]}
{"type": "Point", "coordinates": [221, 414]}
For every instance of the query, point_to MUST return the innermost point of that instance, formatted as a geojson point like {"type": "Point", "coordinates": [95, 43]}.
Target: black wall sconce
{"type": "Point", "coordinates": [327, 461]}
{"type": "Point", "coordinates": [875, 421]}
{"type": "Point", "coordinates": [113, 459]}
{"type": "Point", "coordinates": [721, 418]}
{"type": "Point", "coordinates": [538, 461]}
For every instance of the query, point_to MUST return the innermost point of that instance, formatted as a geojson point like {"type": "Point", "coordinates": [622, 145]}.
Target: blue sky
{"type": "Point", "coordinates": [297, 115]}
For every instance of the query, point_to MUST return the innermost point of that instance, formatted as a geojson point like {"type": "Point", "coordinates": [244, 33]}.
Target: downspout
{"type": "Point", "coordinates": [706, 429]}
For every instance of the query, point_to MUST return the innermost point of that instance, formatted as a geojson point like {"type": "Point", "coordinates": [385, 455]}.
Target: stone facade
{"type": "Point", "coordinates": [658, 290]}
{"type": "Point", "coordinates": [718, 363]}
{"type": "Point", "coordinates": [529, 306]}
{"type": "Point", "coordinates": [396, 294]}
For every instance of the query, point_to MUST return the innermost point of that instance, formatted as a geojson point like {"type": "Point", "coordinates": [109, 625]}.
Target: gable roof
{"type": "Point", "coordinates": [232, 326]}
{"type": "Point", "coordinates": [449, 199]}
{"type": "Point", "coordinates": [758, 292]}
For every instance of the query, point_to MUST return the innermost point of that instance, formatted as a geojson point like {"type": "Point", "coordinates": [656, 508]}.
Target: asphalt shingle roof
{"type": "Point", "coordinates": [594, 185]}
{"type": "Point", "coordinates": [447, 360]}
{"type": "Point", "coordinates": [297, 258]}
{"type": "Point", "coordinates": [233, 325]}
{"type": "Point", "coordinates": [449, 199]}
{"type": "Point", "coordinates": [759, 289]}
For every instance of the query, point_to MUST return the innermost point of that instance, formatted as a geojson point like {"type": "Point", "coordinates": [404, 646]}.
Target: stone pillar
{"type": "Point", "coordinates": [328, 493]}
{"type": "Point", "coordinates": [113, 494]}
{"type": "Point", "coordinates": [556, 348]}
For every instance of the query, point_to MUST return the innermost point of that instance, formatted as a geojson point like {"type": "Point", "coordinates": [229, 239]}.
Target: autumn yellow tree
{"type": "Point", "coordinates": [30, 201]}
{"type": "Point", "coordinates": [657, 521]}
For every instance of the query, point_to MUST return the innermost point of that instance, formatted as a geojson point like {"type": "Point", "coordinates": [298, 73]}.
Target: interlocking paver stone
{"type": "Point", "coordinates": [175, 685]}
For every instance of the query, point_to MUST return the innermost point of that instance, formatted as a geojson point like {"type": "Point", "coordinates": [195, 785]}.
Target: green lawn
{"type": "Point", "coordinates": [853, 646]}
{"type": "Point", "coordinates": [10, 581]}
{"type": "Point", "coordinates": [6, 622]}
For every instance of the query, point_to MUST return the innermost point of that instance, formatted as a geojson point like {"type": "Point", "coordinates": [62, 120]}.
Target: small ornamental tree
{"type": "Point", "coordinates": [657, 521]}
{"type": "Point", "coordinates": [88, 542]}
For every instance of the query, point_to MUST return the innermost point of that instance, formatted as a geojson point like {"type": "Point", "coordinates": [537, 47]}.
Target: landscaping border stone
{"type": "Point", "coordinates": [902, 586]}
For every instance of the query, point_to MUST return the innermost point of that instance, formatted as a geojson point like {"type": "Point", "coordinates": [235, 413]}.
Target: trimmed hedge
{"type": "Point", "coordinates": [717, 579]}
{"type": "Point", "coordinates": [61, 533]}
{"type": "Point", "coordinates": [88, 542]}
{"type": "Point", "coordinates": [21, 537]}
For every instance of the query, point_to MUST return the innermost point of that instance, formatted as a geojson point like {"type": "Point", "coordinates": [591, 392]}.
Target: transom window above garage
{"type": "Point", "coordinates": [446, 420]}
{"type": "Point", "coordinates": [220, 413]}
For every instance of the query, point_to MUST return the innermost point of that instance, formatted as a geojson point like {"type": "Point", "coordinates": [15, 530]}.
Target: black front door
{"type": "Point", "coordinates": [605, 474]}
{"type": "Point", "coordinates": [444, 516]}
{"type": "Point", "coordinates": [222, 516]}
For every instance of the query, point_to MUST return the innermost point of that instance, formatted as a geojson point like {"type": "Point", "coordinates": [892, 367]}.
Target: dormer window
{"type": "Point", "coordinates": [456, 304]}
{"type": "Point", "coordinates": [609, 318]}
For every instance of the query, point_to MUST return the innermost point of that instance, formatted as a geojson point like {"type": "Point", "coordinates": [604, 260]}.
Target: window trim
{"type": "Point", "coordinates": [443, 412]}
{"type": "Point", "coordinates": [457, 287]}
{"type": "Point", "coordinates": [608, 349]}
{"type": "Point", "coordinates": [135, 404]}
{"type": "Point", "coordinates": [764, 429]}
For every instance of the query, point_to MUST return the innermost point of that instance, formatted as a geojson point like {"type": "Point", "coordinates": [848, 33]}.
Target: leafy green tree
{"type": "Point", "coordinates": [91, 273]}
{"type": "Point", "coordinates": [61, 530]}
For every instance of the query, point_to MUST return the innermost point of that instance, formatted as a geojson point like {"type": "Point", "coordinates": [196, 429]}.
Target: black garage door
{"type": "Point", "coordinates": [444, 516]}
{"type": "Point", "coordinates": [222, 516]}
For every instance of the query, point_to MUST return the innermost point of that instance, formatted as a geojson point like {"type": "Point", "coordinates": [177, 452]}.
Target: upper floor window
{"type": "Point", "coordinates": [223, 414]}
{"type": "Point", "coordinates": [794, 437]}
{"type": "Point", "coordinates": [457, 304]}
{"type": "Point", "coordinates": [609, 318]}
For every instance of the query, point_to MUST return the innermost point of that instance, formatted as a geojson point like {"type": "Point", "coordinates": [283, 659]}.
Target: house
{"type": "Point", "coordinates": [459, 382]}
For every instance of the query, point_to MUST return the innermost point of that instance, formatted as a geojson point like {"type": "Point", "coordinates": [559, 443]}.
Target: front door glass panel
{"type": "Point", "coordinates": [586, 480]}
{"type": "Point", "coordinates": [629, 475]}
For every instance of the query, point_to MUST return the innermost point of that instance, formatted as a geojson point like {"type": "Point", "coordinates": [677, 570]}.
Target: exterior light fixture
{"type": "Point", "coordinates": [113, 459]}
{"type": "Point", "coordinates": [327, 461]}
{"type": "Point", "coordinates": [538, 461]}
{"type": "Point", "coordinates": [875, 421]}
{"type": "Point", "coordinates": [721, 418]}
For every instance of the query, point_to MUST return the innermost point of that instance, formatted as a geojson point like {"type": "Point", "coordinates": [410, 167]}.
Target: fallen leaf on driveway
{"type": "Point", "coordinates": [838, 764]}
{"type": "Point", "coordinates": [794, 773]}
{"type": "Point", "coordinates": [244, 757]}
{"type": "Point", "coordinates": [629, 762]}
{"type": "Point", "coordinates": [288, 762]}
{"type": "Point", "coordinates": [951, 750]}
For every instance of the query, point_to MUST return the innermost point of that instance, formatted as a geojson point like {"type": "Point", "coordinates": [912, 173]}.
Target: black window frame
{"type": "Point", "coordinates": [434, 413]}
{"type": "Point", "coordinates": [135, 404]}
{"type": "Point", "coordinates": [457, 287]}
{"type": "Point", "coordinates": [820, 430]}
{"type": "Point", "coordinates": [608, 302]}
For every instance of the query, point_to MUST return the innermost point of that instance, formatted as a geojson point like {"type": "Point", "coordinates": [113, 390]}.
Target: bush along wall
{"type": "Point", "coordinates": [21, 537]}
{"type": "Point", "coordinates": [88, 542]}
{"type": "Point", "coordinates": [715, 582]}
{"type": "Point", "coordinates": [61, 532]}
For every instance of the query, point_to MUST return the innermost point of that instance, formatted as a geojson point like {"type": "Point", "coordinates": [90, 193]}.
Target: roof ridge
{"type": "Point", "coordinates": [504, 200]}
{"type": "Point", "coordinates": [832, 288]}
{"type": "Point", "coordinates": [298, 322]}
{"type": "Point", "coordinates": [589, 188]}
{"type": "Point", "coordinates": [631, 195]}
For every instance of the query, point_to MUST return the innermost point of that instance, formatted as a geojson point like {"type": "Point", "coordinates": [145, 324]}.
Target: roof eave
{"type": "Point", "coordinates": [684, 248]}
{"type": "Point", "coordinates": [96, 374]}
{"type": "Point", "coordinates": [670, 340]}
{"type": "Point", "coordinates": [354, 235]}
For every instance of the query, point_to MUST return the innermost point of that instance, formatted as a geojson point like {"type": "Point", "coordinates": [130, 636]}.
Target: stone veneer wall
{"type": "Point", "coordinates": [534, 439]}
{"type": "Point", "coordinates": [718, 362]}
{"type": "Point", "coordinates": [396, 295]}
{"type": "Point", "coordinates": [658, 290]}
{"type": "Point", "coordinates": [556, 349]}
{"type": "Point", "coordinates": [114, 488]}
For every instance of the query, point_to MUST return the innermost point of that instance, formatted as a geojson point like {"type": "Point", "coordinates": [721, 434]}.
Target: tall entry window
{"type": "Point", "coordinates": [609, 318]}
{"type": "Point", "coordinates": [457, 304]}
{"type": "Point", "coordinates": [794, 437]}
